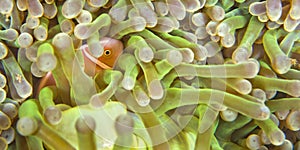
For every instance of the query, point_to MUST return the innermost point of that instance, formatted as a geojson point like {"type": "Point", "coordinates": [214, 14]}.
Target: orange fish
{"type": "Point", "coordinates": [112, 50]}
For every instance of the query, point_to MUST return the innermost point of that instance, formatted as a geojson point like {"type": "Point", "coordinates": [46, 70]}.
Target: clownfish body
{"type": "Point", "coordinates": [112, 50]}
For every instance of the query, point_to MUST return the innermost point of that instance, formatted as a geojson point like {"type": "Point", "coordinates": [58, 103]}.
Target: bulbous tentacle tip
{"type": "Point", "coordinates": [124, 125]}
{"type": "Point", "coordinates": [85, 124]}
{"type": "Point", "coordinates": [27, 126]}
{"type": "Point", "coordinates": [277, 138]}
{"type": "Point", "coordinates": [3, 143]}
{"type": "Point", "coordinates": [281, 64]}
{"type": "Point", "coordinates": [264, 113]}
{"type": "Point", "coordinates": [53, 115]}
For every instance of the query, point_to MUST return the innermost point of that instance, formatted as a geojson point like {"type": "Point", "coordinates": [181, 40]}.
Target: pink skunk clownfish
{"type": "Point", "coordinates": [112, 50]}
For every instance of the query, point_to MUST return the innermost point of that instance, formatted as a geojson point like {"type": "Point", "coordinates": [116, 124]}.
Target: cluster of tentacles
{"type": "Point", "coordinates": [150, 74]}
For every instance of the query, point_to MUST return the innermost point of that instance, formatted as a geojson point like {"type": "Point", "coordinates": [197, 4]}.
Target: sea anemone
{"type": "Point", "coordinates": [149, 74]}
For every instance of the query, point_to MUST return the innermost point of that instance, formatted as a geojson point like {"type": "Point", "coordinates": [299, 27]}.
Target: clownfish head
{"type": "Point", "coordinates": [112, 49]}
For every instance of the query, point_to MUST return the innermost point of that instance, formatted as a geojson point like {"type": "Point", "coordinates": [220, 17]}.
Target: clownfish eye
{"type": "Point", "coordinates": [107, 52]}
